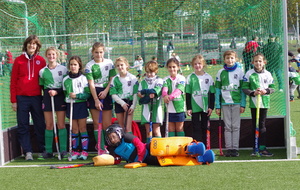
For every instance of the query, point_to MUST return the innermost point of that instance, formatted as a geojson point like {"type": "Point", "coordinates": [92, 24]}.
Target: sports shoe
{"type": "Point", "coordinates": [83, 155]}
{"type": "Point", "coordinates": [28, 156]}
{"type": "Point", "coordinates": [266, 153]}
{"type": "Point", "coordinates": [228, 153]}
{"type": "Point", "coordinates": [234, 153]}
{"type": "Point", "coordinates": [45, 155]}
{"type": "Point", "coordinates": [75, 155]}
{"type": "Point", "coordinates": [64, 155]}
{"type": "Point", "coordinates": [254, 154]}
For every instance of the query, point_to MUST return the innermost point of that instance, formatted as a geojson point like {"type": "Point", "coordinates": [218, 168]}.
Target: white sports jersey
{"type": "Point", "coordinates": [124, 87]}
{"type": "Point", "coordinates": [52, 78]}
{"type": "Point", "coordinates": [100, 72]}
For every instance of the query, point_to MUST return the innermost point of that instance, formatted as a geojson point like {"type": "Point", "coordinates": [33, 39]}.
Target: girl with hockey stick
{"type": "Point", "coordinates": [173, 95]}
{"type": "Point", "coordinates": [200, 97]}
{"type": "Point", "coordinates": [229, 81]}
{"type": "Point", "coordinates": [75, 87]}
{"type": "Point", "coordinates": [259, 81]}
{"type": "Point", "coordinates": [51, 78]}
{"type": "Point", "coordinates": [150, 88]}
{"type": "Point", "coordinates": [123, 89]}
{"type": "Point", "coordinates": [99, 72]}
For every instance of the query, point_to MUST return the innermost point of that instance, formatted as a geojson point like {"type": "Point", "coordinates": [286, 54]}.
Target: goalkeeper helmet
{"type": "Point", "coordinates": [118, 130]}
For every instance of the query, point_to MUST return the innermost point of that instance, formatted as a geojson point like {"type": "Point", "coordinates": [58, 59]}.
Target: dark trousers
{"type": "Point", "coordinates": [199, 126]}
{"type": "Point", "coordinates": [262, 125]}
{"type": "Point", "coordinates": [32, 105]}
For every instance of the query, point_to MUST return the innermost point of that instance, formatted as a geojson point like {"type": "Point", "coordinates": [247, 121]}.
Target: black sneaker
{"type": "Point", "coordinates": [266, 153]}
{"type": "Point", "coordinates": [228, 153]}
{"type": "Point", "coordinates": [64, 155]}
{"type": "Point", "coordinates": [235, 153]}
{"type": "Point", "coordinates": [45, 155]}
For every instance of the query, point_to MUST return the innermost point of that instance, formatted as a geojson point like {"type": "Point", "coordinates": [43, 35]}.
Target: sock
{"type": "Point", "coordinates": [96, 135]}
{"type": "Point", "coordinates": [172, 134]}
{"type": "Point", "coordinates": [180, 134]}
{"type": "Point", "coordinates": [75, 141]}
{"type": "Point", "coordinates": [103, 140]}
{"type": "Point", "coordinates": [157, 136]}
{"type": "Point", "coordinates": [262, 147]}
{"type": "Point", "coordinates": [130, 132]}
{"type": "Point", "coordinates": [62, 136]}
{"type": "Point", "coordinates": [148, 140]}
{"type": "Point", "coordinates": [48, 140]}
{"type": "Point", "coordinates": [84, 141]}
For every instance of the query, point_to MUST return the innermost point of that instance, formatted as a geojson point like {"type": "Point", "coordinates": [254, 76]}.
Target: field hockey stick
{"type": "Point", "coordinates": [220, 129]}
{"type": "Point", "coordinates": [70, 130]}
{"type": "Point", "coordinates": [99, 130]}
{"type": "Point", "coordinates": [150, 122]}
{"type": "Point", "coordinates": [54, 128]}
{"type": "Point", "coordinates": [257, 125]}
{"type": "Point", "coordinates": [126, 118]}
{"type": "Point", "coordinates": [208, 135]}
{"type": "Point", "coordinates": [167, 121]}
{"type": "Point", "coordinates": [71, 166]}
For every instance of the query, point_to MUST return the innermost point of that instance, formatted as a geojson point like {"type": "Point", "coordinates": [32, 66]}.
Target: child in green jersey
{"type": "Point", "coordinates": [259, 81]}
{"type": "Point", "coordinates": [123, 89]}
{"type": "Point", "coordinates": [231, 99]}
{"type": "Point", "coordinates": [99, 72]}
{"type": "Point", "coordinates": [51, 78]}
{"type": "Point", "coordinates": [150, 88]}
{"type": "Point", "coordinates": [200, 97]}
{"type": "Point", "coordinates": [173, 95]}
{"type": "Point", "coordinates": [76, 89]}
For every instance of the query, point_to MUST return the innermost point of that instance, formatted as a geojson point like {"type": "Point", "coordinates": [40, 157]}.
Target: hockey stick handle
{"type": "Point", "coordinates": [257, 124]}
{"type": "Point", "coordinates": [150, 120]}
{"type": "Point", "coordinates": [54, 128]}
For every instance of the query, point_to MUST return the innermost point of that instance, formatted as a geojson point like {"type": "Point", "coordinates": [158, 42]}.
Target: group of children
{"type": "Point", "coordinates": [98, 86]}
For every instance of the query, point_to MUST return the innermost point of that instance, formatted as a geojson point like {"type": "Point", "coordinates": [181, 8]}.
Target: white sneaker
{"type": "Point", "coordinates": [28, 156]}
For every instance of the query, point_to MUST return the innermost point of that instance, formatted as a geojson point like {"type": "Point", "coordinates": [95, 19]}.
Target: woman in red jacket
{"type": "Point", "coordinates": [25, 94]}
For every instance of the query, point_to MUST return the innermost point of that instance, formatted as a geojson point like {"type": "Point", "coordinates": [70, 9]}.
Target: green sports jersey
{"type": "Point", "coordinates": [229, 84]}
{"type": "Point", "coordinates": [199, 87]}
{"type": "Point", "coordinates": [294, 78]}
{"type": "Point", "coordinates": [254, 80]}
{"type": "Point", "coordinates": [100, 72]}
{"type": "Point", "coordinates": [52, 78]}
{"type": "Point", "coordinates": [177, 105]}
{"type": "Point", "coordinates": [155, 83]}
{"type": "Point", "coordinates": [79, 86]}
{"type": "Point", "coordinates": [124, 87]}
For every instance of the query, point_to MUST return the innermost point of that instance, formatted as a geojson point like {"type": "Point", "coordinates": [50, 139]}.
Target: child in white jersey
{"type": "Point", "coordinates": [123, 89]}
{"type": "Point", "coordinates": [150, 88]}
{"type": "Point", "coordinates": [51, 78]}
{"type": "Point", "coordinates": [173, 95]}
{"type": "Point", "coordinates": [230, 98]}
{"type": "Point", "coordinates": [259, 81]}
{"type": "Point", "coordinates": [200, 97]}
{"type": "Point", "coordinates": [76, 89]}
{"type": "Point", "coordinates": [99, 73]}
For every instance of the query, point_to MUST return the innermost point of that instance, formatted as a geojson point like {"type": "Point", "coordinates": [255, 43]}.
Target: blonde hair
{"type": "Point", "coordinates": [200, 58]}
{"type": "Point", "coordinates": [53, 49]}
{"type": "Point", "coordinates": [151, 66]}
{"type": "Point", "coordinates": [124, 60]}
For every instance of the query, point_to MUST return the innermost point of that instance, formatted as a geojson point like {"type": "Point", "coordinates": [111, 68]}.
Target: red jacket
{"type": "Point", "coordinates": [25, 76]}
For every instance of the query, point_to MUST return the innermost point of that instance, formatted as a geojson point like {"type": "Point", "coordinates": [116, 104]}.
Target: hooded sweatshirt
{"type": "Point", "coordinates": [25, 76]}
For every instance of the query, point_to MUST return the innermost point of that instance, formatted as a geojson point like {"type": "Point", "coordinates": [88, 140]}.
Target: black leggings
{"type": "Point", "coordinates": [199, 126]}
{"type": "Point", "coordinates": [262, 125]}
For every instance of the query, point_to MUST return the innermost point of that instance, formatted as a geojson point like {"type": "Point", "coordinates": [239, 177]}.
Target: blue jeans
{"type": "Point", "coordinates": [32, 105]}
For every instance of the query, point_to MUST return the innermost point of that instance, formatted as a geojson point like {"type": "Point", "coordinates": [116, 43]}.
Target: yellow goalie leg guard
{"type": "Point", "coordinates": [104, 160]}
{"type": "Point", "coordinates": [177, 161]}
{"type": "Point", "coordinates": [170, 146]}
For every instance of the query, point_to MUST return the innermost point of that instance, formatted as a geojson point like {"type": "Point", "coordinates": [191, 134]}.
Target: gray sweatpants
{"type": "Point", "coordinates": [232, 121]}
